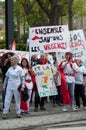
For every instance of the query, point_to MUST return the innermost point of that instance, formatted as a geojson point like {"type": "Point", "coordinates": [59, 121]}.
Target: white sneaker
{"type": "Point", "coordinates": [78, 108]}
{"type": "Point", "coordinates": [64, 109]}
{"type": "Point", "coordinates": [74, 108]}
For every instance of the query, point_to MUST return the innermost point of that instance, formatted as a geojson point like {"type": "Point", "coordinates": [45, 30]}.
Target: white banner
{"type": "Point", "coordinates": [48, 39]}
{"type": "Point", "coordinates": [21, 54]}
{"type": "Point", "coordinates": [77, 46]}
{"type": "Point", "coordinates": [44, 80]}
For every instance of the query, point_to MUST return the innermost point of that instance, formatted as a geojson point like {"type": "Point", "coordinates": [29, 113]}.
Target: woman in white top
{"type": "Point", "coordinates": [79, 88]}
{"type": "Point", "coordinates": [69, 68]}
{"type": "Point", "coordinates": [27, 84]}
{"type": "Point", "coordinates": [14, 77]}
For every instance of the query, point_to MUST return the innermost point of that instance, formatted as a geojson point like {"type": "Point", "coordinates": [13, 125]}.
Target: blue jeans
{"type": "Point", "coordinates": [71, 87]}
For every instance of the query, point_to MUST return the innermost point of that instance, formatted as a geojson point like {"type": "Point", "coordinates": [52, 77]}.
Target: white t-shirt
{"type": "Point", "coordinates": [79, 75]}
{"type": "Point", "coordinates": [14, 77]}
{"type": "Point", "coordinates": [68, 70]}
{"type": "Point", "coordinates": [27, 77]}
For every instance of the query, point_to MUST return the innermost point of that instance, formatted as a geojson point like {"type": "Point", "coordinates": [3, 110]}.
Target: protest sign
{"type": "Point", "coordinates": [77, 46]}
{"type": "Point", "coordinates": [48, 39]}
{"type": "Point", "coordinates": [21, 54]}
{"type": "Point", "coordinates": [44, 80]}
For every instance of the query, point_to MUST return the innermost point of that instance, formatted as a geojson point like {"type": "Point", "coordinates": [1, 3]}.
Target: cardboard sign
{"type": "Point", "coordinates": [44, 80]}
{"type": "Point", "coordinates": [77, 46]}
{"type": "Point", "coordinates": [48, 39]}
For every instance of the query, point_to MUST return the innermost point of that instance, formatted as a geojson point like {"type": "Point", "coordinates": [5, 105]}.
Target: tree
{"type": "Point", "coordinates": [19, 20]}
{"type": "Point", "coordinates": [52, 10]}
{"type": "Point", "coordinates": [27, 7]}
{"type": "Point", "coordinates": [79, 12]}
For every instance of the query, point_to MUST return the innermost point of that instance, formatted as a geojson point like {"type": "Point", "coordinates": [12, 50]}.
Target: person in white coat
{"type": "Point", "coordinates": [14, 77]}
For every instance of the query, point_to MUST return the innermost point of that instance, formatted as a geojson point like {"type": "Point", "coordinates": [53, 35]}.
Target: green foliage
{"type": "Point", "coordinates": [2, 44]}
{"type": "Point", "coordinates": [44, 12]}
{"type": "Point", "coordinates": [24, 37]}
{"type": "Point", "coordinates": [21, 46]}
{"type": "Point", "coordinates": [79, 8]}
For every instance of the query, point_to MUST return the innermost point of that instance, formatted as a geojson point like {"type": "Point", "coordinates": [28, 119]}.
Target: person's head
{"type": "Point", "coordinates": [14, 60]}
{"type": "Point", "coordinates": [68, 56]}
{"type": "Point", "coordinates": [9, 56]}
{"type": "Point", "coordinates": [43, 57]}
{"type": "Point", "coordinates": [24, 63]}
{"type": "Point", "coordinates": [34, 57]}
{"type": "Point", "coordinates": [79, 62]}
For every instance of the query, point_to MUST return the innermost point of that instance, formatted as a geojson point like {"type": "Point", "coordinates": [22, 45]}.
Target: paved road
{"type": "Point", "coordinates": [69, 128]}
{"type": "Point", "coordinates": [41, 120]}
{"type": "Point", "coordinates": [33, 120]}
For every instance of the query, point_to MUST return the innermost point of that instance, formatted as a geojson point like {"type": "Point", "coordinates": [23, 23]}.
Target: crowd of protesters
{"type": "Point", "coordinates": [19, 83]}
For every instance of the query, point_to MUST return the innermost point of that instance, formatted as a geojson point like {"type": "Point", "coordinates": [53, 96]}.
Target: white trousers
{"type": "Point", "coordinates": [8, 98]}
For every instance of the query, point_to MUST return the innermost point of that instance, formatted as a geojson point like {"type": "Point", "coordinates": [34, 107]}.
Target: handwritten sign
{"type": "Point", "coordinates": [77, 46]}
{"type": "Point", "coordinates": [44, 80]}
{"type": "Point", "coordinates": [48, 39]}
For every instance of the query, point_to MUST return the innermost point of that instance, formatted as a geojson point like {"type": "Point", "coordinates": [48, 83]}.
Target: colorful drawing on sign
{"type": "Point", "coordinates": [44, 82]}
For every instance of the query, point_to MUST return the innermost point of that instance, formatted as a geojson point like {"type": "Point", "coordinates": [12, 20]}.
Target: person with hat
{"type": "Point", "coordinates": [14, 77]}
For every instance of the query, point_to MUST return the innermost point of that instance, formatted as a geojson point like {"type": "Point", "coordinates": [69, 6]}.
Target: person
{"type": "Point", "coordinates": [50, 58]}
{"type": "Point", "coordinates": [34, 60]}
{"type": "Point", "coordinates": [40, 101]}
{"type": "Point", "coordinates": [14, 77]}
{"type": "Point", "coordinates": [33, 75]}
{"type": "Point", "coordinates": [58, 86]}
{"type": "Point", "coordinates": [6, 64]}
{"type": "Point", "coordinates": [57, 79]}
{"type": "Point", "coordinates": [1, 74]}
{"type": "Point", "coordinates": [79, 86]}
{"type": "Point", "coordinates": [27, 84]}
{"type": "Point", "coordinates": [67, 70]}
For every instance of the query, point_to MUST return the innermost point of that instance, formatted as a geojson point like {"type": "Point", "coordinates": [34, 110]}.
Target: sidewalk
{"type": "Point", "coordinates": [77, 128]}
{"type": "Point", "coordinates": [51, 116]}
